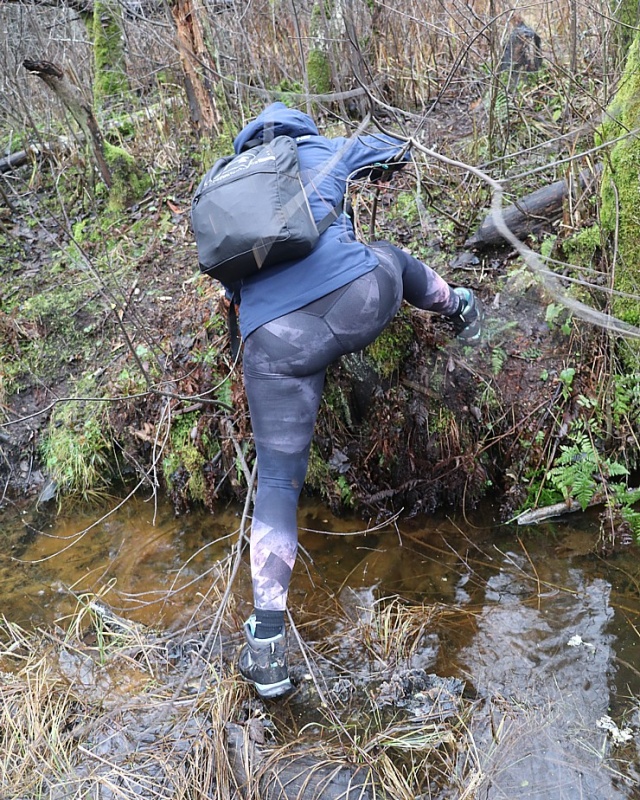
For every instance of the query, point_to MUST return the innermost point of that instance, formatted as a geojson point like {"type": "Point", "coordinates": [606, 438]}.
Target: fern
{"type": "Point", "coordinates": [624, 499]}
{"type": "Point", "coordinates": [498, 358]}
{"type": "Point", "coordinates": [578, 471]}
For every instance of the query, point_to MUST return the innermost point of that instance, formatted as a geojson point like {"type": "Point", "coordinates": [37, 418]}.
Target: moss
{"type": "Point", "coordinates": [442, 421]}
{"type": "Point", "coordinates": [318, 472]}
{"type": "Point", "coordinates": [110, 79]}
{"type": "Point", "coordinates": [583, 246]}
{"type": "Point", "coordinates": [129, 181]}
{"type": "Point", "coordinates": [390, 349]}
{"type": "Point", "coordinates": [337, 402]}
{"type": "Point", "coordinates": [189, 449]}
{"type": "Point", "coordinates": [319, 71]}
{"type": "Point", "coordinates": [620, 193]}
{"type": "Point", "coordinates": [406, 206]}
{"type": "Point", "coordinates": [210, 149]}
{"type": "Point", "coordinates": [53, 314]}
{"type": "Point", "coordinates": [627, 16]}
{"type": "Point", "coordinates": [78, 449]}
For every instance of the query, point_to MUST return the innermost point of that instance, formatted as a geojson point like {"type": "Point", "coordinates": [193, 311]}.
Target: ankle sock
{"type": "Point", "coordinates": [268, 623]}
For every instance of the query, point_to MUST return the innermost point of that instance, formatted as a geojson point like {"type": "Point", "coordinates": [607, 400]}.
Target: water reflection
{"type": "Point", "coordinates": [544, 632]}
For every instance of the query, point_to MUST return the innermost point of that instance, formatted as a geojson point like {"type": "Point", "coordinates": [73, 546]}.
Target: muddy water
{"type": "Point", "coordinates": [545, 634]}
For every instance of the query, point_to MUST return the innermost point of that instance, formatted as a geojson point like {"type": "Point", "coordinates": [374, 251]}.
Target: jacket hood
{"type": "Point", "coordinates": [276, 120]}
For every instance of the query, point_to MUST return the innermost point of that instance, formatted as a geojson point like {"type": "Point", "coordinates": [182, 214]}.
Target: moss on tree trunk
{"type": "Point", "coordinates": [319, 58]}
{"type": "Point", "coordinates": [627, 15]}
{"type": "Point", "coordinates": [110, 76]}
{"type": "Point", "coordinates": [620, 193]}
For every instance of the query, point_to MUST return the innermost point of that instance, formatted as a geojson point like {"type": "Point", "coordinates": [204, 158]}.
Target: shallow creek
{"type": "Point", "coordinates": [545, 634]}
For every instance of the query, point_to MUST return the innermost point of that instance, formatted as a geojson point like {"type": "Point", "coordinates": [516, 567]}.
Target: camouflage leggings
{"type": "Point", "coordinates": [284, 369]}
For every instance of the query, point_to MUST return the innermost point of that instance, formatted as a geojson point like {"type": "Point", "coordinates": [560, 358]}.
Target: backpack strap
{"type": "Point", "coordinates": [331, 216]}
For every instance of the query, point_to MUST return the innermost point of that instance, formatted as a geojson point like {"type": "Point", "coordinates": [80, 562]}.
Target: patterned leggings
{"type": "Point", "coordinates": [284, 369]}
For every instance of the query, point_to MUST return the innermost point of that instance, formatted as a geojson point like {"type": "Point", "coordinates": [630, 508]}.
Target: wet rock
{"type": "Point", "coordinates": [342, 690]}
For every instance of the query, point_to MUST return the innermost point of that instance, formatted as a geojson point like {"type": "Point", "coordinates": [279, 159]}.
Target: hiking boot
{"type": "Point", "coordinates": [263, 662]}
{"type": "Point", "coordinates": [467, 322]}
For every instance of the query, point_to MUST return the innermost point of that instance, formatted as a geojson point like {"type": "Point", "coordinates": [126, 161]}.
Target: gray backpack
{"type": "Point", "coordinates": [251, 212]}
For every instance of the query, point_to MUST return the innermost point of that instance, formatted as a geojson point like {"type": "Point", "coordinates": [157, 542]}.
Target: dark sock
{"type": "Point", "coordinates": [268, 623]}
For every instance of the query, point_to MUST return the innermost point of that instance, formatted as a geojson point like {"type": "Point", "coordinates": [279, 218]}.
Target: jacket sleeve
{"type": "Point", "coordinates": [361, 153]}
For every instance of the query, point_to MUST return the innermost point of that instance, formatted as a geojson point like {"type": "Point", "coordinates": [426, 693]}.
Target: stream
{"type": "Point", "coordinates": [543, 632]}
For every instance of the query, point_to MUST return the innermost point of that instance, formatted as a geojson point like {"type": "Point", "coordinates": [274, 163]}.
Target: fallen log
{"type": "Point", "coordinates": [531, 213]}
{"type": "Point", "coordinates": [63, 144]}
{"type": "Point", "coordinates": [535, 515]}
{"type": "Point", "coordinates": [18, 159]}
{"type": "Point", "coordinates": [295, 776]}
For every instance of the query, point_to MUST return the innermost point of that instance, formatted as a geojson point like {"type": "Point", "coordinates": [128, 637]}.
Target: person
{"type": "Point", "coordinates": [295, 319]}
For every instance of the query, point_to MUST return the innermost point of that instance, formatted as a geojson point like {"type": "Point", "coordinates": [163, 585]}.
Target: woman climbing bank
{"type": "Point", "coordinates": [296, 319]}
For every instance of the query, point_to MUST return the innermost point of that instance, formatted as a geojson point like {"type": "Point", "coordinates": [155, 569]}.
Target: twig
{"type": "Point", "coordinates": [214, 627]}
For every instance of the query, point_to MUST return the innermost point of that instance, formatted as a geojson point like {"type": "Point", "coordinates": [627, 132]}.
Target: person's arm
{"type": "Point", "coordinates": [376, 156]}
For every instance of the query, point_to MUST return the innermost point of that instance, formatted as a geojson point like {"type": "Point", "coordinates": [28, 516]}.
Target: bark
{"type": "Point", "coordinates": [197, 63]}
{"type": "Point", "coordinates": [530, 214]}
{"type": "Point", "coordinates": [71, 97]}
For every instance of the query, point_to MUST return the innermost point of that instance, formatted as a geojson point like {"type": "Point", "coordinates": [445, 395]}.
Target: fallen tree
{"type": "Point", "coordinates": [534, 212]}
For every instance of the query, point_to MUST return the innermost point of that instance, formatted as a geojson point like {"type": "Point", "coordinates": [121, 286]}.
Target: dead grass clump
{"type": "Point", "coordinates": [89, 712]}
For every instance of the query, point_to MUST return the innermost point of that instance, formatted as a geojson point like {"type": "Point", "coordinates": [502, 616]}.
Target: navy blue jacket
{"type": "Point", "coordinates": [338, 258]}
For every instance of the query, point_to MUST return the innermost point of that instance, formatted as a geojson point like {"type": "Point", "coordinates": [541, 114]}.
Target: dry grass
{"type": "Point", "coordinates": [85, 712]}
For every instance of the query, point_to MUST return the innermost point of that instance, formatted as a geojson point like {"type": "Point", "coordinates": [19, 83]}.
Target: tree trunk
{"type": "Point", "coordinates": [125, 179]}
{"type": "Point", "coordinates": [110, 77]}
{"type": "Point", "coordinates": [620, 193]}
{"type": "Point", "coordinates": [628, 16]}
{"type": "Point", "coordinates": [197, 63]}
{"type": "Point", "coordinates": [71, 97]}
{"type": "Point", "coordinates": [327, 30]}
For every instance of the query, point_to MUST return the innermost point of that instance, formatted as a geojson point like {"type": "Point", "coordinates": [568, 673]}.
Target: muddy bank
{"type": "Point", "coordinates": [417, 422]}
{"type": "Point", "coordinates": [118, 370]}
